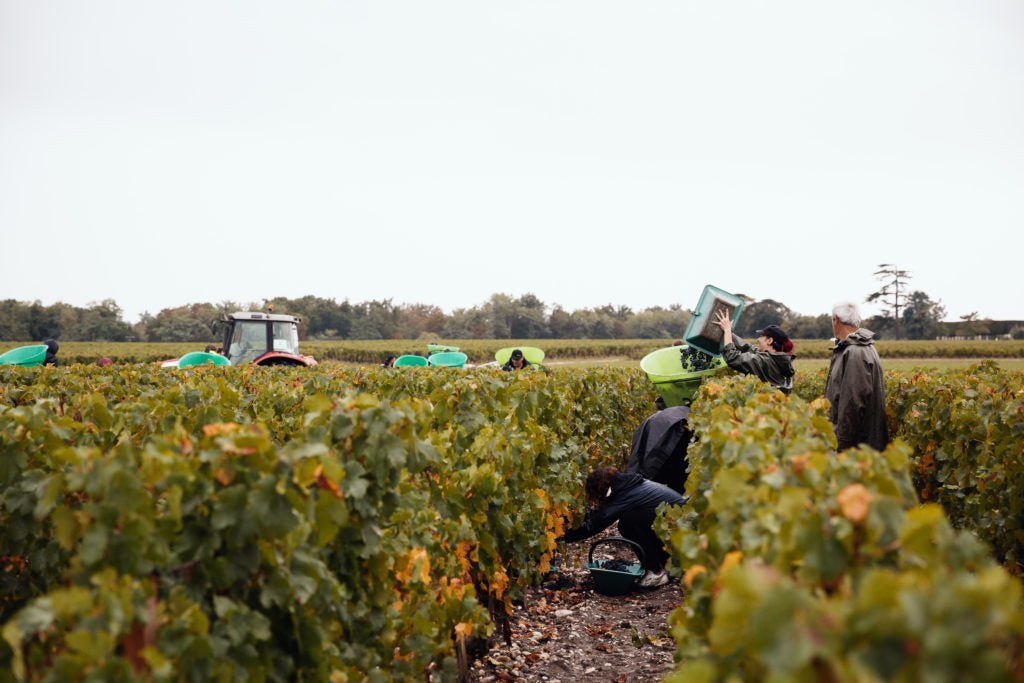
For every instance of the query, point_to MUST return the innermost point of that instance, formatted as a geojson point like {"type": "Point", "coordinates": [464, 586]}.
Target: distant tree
{"type": "Point", "coordinates": [658, 323]}
{"type": "Point", "coordinates": [810, 327]}
{"type": "Point", "coordinates": [894, 283]}
{"type": "Point", "coordinates": [560, 324]}
{"type": "Point", "coordinates": [921, 316]}
{"type": "Point", "coordinates": [13, 321]}
{"type": "Point", "coordinates": [417, 320]}
{"type": "Point", "coordinates": [973, 326]}
{"type": "Point", "coordinates": [529, 320]}
{"type": "Point", "coordinates": [760, 314]}
{"type": "Point", "coordinates": [198, 322]}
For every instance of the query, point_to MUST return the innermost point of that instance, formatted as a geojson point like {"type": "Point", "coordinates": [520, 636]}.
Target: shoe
{"type": "Point", "coordinates": [653, 579]}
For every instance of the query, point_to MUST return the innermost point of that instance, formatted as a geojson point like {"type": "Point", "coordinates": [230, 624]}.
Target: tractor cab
{"type": "Point", "coordinates": [263, 339]}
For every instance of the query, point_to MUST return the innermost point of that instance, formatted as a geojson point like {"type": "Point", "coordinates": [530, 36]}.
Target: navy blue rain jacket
{"type": "Point", "coordinates": [631, 494]}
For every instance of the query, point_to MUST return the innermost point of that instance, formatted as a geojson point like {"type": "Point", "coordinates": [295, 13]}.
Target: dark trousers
{"type": "Point", "coordinates": [636, 526]}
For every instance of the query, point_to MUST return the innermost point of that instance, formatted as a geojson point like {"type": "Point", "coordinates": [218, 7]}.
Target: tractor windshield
{"type": "Point", "coordinates": [286, 337]}
{"type": "Point", "coordinates": [248, 342]}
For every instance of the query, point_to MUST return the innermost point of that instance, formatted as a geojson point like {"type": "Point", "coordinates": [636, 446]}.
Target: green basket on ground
{"type": "Point", "coordinates": [674, 383]}
{"type": "Point", "coordinates": [532, 354]}
{"type": "Point", "coordinates": [613, 581]}
{"type": "Point", "coordinates": [702, 332]}
{"type": "Point", "coordinates": [25, 356]}
{"type": "Point", "coordinates": [410, 361]}
{"type": "Point", "coordinates": [441, 348]}
{"type": "Point", "coordinates": [448, 359]}
{"type": "Point", "coordinates": [202, 358]}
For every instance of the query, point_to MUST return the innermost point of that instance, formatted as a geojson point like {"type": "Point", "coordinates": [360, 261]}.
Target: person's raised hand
{"type": "Point", "coordinates": [723, 320]}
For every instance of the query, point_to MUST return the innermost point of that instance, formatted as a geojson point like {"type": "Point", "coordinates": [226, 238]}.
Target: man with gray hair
{"type": "Point", "coordinates": [855, 386]}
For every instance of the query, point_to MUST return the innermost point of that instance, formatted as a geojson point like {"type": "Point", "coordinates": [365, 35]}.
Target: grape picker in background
{"type": "Point", "coordinates": [855, 386]}
{"type": "Point", "coordinates": [633, 501]}
{"type": "Point", "coordinates": [658, 451]}
{"type": "Point", "coordinates": [771, 361]}
{"type": "Point", "coordinates": [52, 347]}
{"type": "Point", "coordinates": [517, 361]}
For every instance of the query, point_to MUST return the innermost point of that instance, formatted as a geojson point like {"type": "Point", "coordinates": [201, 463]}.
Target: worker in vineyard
{"type": "Point", "coordinates": [771, 361]}
{"type": "Point", "coordinates": [632, 501]}
{"type": "Point", "coordinates": [52, 347]}
{"type": "Point", "coordinates": [517, 361]}
{"type": "Point", "coordinates": [658, 450]}
{"type": "Point", "coordinates": [855, 386]}
{"type": "Point", "coordinates": [388, 362]}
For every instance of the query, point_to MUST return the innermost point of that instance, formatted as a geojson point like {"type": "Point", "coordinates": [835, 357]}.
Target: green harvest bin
{"type": "Point", "coordinates": [25, 356]}
{"type": "Point", "coordinates": [702, 332]}
{"type": "Point", "coordinates": [614, 581]}
{"type": "Point", "coordinates": [675, 385]}
{"type": "Point", "coordinates": [448, 359]}
{"type": "Point", "coordinates": [410, 361]}
{"type": "Point", "coordinates": [202, 358]}
{"type": "Point", "coordinates": [441, 348]}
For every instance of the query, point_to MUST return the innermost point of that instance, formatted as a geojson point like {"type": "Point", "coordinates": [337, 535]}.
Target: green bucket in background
{"type": "Point", "coordinates": [702, 332]}
{"type": "Point", "coordinates": [448, 359]}
{"type": "Point", "coordinates": [25, 356]}
{"type": "Point", "coordinates": [202, 358]}
{"type": "Point", "coordinates": [441, 348]}
{"type": "Point", "coordinates": [410, 361]}
{"type": "Point", "coordinates": [674, 383]}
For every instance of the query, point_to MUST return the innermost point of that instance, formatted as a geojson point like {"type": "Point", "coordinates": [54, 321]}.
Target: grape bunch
{"type": "Point", "coordinates": [695, 360]}
{"type": "Point", "coordinates": [617, 565]}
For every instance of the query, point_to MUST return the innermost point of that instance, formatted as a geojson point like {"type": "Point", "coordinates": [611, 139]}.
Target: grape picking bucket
{"type": "Point", "coordinates": [615, 581]}
{"type": "Point", "coordinates": [702, 332]}
{"type": "Point", "coordinates": [441, 348]}
{"type": "Point", "coordinates": [675, 384]}
{"type": "Point", "coordinates": [410, 361]}
{"type": "Point", "coordinates": [448, 359]}
{"type": "Point", "coordinates": [202, 358]}
{"type": "Point", "coordinates": [25, 356]}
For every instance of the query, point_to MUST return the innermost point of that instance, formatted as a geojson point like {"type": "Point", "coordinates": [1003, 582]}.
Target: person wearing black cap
{"type": "Point", "coordinates": [771, 361]}
{"type": "Point", "coordinates": [516, 361]}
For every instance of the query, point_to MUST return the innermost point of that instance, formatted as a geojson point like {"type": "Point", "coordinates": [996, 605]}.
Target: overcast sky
{"type": "Point", "coordinates": [165, 153]}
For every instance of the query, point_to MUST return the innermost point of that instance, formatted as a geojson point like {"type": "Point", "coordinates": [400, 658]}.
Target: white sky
{"type": "Point", "coordinates": [439, 152]}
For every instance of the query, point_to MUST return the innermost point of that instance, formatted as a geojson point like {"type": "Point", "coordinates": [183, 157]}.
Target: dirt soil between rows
{"type": "Point", "coordinates": [564, 630]}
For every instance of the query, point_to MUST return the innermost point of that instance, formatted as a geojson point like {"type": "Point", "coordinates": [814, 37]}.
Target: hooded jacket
{"type": "Point", "coordinates": [630, 494]}
{"type": "Point", "coordinates": [658, 451]}
{"type": "Point", "coordinates": [51, 352]}
{"type": "Point", "coordinates": [856, 389]}
{"type": "Point", "coordinates": [774, 367]}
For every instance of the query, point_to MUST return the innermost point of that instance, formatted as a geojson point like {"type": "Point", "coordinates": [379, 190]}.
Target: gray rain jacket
{"type": "Point", "coordinates": [774, 367]}
{"type": "Point", "coordinates": [856, 389]}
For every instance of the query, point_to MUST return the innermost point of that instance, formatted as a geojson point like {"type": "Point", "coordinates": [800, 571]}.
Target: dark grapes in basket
{"type": "Point", "coordinates": [695, 360]}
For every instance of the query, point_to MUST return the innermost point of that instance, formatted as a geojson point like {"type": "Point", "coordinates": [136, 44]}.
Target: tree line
{"type": "Point", "coordinates": [500, 317]}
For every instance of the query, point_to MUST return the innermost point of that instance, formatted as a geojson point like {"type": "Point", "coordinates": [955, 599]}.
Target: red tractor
{"type": "Point", "coordinates": [263, 339]}
{"type": "Point", "coordinates": [257, 338]}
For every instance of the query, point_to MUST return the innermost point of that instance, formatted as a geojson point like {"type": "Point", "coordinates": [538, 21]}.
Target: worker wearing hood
{"type": "Point", "coordinates": [52, 347]}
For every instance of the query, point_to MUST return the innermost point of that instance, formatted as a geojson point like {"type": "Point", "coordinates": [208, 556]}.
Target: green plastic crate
{"type": "Point", "coordinates": [702, 332]}
{"type": "Point", "coordinates": [25, 356]}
